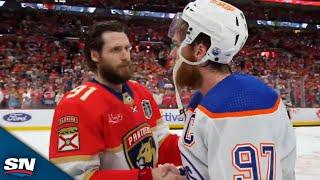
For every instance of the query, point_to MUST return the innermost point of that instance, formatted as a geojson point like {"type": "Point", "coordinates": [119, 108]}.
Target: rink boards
{"type": "Point", "coordinates": [31, 119]}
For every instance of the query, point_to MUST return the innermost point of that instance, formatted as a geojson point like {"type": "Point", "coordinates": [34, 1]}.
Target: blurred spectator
{"type": "Point", "coordinates": [59, 96]}
{"type": "Point", "coordinates": [26, 99]}
{"type": "Point", "coordinates": [36, 94]}
{"type": "Point", "coordinates": [169, 100]}
{"type": "Point", "coordinates": [49, 97]}
{"type": "Point", "coordinates": [158, 96]}
{"type": "Point", "coordinates": [14, 99]}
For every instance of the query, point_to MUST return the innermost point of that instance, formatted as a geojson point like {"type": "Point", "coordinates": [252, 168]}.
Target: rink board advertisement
{"type": "Point", "coordinates": [41, 119]}
{"type": "Point", "coordinates": [28, 119]}
{"type": "Point", "coordinates": [305, 116]}
{"type": "Point", "coordinates": [299, 116]}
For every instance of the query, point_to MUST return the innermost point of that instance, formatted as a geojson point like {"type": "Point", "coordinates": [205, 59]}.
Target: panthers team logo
{"type": "Point", "coordinates": [140, 148]}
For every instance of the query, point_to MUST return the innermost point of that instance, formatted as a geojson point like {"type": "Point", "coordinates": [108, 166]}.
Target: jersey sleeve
{"type": "Point", "coordinates": [77, 141]}
{"type": "Point", "coordinates": [287, 142]}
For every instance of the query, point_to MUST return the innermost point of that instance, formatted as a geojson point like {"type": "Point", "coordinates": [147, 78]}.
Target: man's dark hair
{"type": "Point", "coordinates": [94, 39]}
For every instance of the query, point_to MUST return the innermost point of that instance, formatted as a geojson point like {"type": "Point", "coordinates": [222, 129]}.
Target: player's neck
{"type": "Point", "coordinates": [115, 87]}
{"type": "Point", "coordinates": [210, 79]}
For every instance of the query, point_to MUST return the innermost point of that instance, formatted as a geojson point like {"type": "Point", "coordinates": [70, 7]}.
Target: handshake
{"type": "Point", "coordinates": [168, 171]}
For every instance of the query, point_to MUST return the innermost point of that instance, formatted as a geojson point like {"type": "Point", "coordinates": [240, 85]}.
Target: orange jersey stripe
{"type": "Point", "coordinates": [190, 109]}
{"type": "Point", "coordinates": [241, 113]}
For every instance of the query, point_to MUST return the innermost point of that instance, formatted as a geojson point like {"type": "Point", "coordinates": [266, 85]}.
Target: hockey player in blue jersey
{"type": "Point", "coordinates": [239, 128]}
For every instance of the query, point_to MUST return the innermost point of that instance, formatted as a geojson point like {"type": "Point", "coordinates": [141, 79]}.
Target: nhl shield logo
{"type": "Point", "coordinates": [147, 110]}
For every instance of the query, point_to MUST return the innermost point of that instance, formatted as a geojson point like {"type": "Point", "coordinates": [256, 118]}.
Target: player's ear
{"type": "Point", "coordinates": [200, 51]}
{"type": "Point", "coordinates": [95, 56]}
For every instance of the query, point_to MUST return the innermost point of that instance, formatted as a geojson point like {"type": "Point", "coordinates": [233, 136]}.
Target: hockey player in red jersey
{"type": "Point", "coordinates": [111, 127]}
{"type": "Point", "coordinates": [239, 128]}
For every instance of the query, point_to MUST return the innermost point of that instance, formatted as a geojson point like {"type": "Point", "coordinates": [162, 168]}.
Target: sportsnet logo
{"type": "Point", "coordinates": [19, 166]}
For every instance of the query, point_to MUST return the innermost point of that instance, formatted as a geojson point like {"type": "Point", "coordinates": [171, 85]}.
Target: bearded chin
{"type": "Point", "coordinates": [189, 76]}
{"type": "Point", "coordinates": [115, 77]}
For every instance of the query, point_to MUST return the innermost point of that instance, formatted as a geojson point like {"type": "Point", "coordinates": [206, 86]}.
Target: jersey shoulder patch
{"type": "Point", "coordinates": [240, 95]}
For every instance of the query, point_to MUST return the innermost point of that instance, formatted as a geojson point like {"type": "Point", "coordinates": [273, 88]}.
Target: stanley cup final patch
{"type": "Point", "coordinates": [147, 109]}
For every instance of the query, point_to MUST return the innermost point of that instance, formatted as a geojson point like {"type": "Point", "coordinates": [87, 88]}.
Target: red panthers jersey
{"type": "Point", "coordinates": [96, 133]}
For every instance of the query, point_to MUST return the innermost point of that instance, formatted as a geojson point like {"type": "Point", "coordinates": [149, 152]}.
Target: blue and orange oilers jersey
{"type": "Point", "coordinates": [239, 130]}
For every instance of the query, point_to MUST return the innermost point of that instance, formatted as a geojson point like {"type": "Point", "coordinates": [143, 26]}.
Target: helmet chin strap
{"type": "Point", "coordinates": [175, 70]}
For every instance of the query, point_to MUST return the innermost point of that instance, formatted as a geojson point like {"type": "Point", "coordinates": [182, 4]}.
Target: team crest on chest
{"type": "Point", "coordinates": [140, 147]}
{"type": "Point", "coordinates": [147, 109]}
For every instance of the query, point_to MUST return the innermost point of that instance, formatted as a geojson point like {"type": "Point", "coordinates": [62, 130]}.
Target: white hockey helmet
{"type": "Point", "coordinates": [223, 23]}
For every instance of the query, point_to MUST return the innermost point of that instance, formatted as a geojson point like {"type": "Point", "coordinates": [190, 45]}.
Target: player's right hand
{"type": "Point", "coordinates": [167, 172]}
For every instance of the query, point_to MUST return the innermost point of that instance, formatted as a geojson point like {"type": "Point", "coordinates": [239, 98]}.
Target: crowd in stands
{"type": "Point", "coordinates": [41, 58]}
{"type": "Point", "coordinates": [289, 61]}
